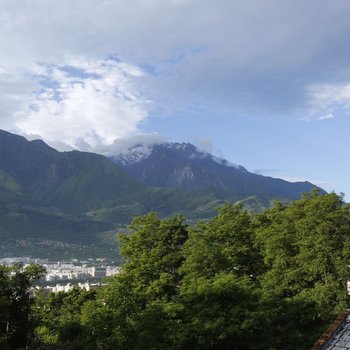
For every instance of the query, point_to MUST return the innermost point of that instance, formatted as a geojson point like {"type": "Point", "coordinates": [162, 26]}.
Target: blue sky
{"type": "Point", "coordinates": [262, 83]}
{"type": "Point", "coordinates": [278, 147]}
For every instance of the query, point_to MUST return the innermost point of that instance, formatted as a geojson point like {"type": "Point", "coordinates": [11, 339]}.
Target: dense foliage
{"type": "Point", "coordinates": [15, 304]}
{"type": "Point", "coordinates": [272, 280]}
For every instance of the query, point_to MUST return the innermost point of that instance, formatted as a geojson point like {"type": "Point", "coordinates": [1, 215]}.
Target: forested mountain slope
{"type": "Point", "coordinates": [75, 195]}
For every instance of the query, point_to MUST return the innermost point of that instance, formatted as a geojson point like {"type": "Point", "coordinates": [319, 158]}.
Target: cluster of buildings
{"type": "Point", "coordinates": [64, 276]}
{"type": "Point", "coordinates": [71, 271]}
{"type": "Point", "coordinates": [66, 287]}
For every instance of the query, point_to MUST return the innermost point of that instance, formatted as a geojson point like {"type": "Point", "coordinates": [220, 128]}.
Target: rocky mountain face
{"type": "Point", "coordinates": [174, 165]}
{"type": "Point", "coordinates": [183, 166]}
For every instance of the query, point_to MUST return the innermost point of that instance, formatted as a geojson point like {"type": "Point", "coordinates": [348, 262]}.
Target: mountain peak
{"type": "Point", "coordinates": [132, 155]}
{"type": "Point", "coordinates": [181, 150]}
{"type": "Point", "coordinates": [183, 166]}
{"type": "Point", "coordinates": [180, 146]}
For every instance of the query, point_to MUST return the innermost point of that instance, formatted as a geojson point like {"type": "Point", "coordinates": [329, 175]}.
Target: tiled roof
{"type": "Point", "coordinates": [337, 336]}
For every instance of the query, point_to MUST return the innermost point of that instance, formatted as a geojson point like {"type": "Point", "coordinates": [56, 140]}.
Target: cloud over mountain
{"type": "Point", "coordinates": [85, 103]}
{"type": "Point", "coordinates": [233, 58]}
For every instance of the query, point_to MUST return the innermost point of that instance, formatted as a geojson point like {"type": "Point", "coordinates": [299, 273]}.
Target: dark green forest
{"type": "Point", "coordinates": [242, 280]}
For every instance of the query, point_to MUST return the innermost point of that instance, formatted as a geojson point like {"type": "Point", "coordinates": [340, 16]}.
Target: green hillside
{"type": "Point", "coordinates": [75, 197]}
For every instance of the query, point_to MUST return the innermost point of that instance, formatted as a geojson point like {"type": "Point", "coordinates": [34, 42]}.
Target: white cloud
{"type": "Point", "coordinates": [293, 178]}
{"type": "Point", "coordinates": [325, 95]}
{"type": "Point", "coordinates": [242, 57]}
{"type": "Point", "coordinates": [122, 145]}
{"type": "Point", "coordinates": [84, 103]}
{"type": "Point", "coordinates": [204, 145]}
{"type": "Point", "coordinates": [266, 172]}
{"type": "Point", "coordinates": [326, 116]}
{"type": "Point", "coordinates": [326, 100]}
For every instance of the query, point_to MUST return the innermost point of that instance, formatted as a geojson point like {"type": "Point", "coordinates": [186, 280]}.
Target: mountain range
{"type": "Point", "coordinates": [77, 197]}
{"type": "Point", "coordinates": [183, 166]}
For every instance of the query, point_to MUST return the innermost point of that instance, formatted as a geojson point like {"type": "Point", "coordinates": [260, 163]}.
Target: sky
{"type": "Point", "coordinates": [261, 83]}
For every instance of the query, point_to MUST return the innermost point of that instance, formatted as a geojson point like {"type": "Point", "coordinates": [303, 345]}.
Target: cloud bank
{"type": "Point", "coordinates": [328, 100]}
{"type": "Point", "coordinates": [234, 58]}
{"type": "Point", "coordinates": [86, 104]}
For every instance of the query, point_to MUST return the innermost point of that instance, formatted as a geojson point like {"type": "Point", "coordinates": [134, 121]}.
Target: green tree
{"type": "Point", "coordinates": [248, 281]}
{"type": "Point", "coordinates": [15, 304]}
{"type": "Point", "coordinates": [131, 311]}
{"type": "Point", "coordinates": [225, 243]}
{"type": "Point", "coordinates": [305, 252]}
{"type": "Point", "coordinates": [58, 319]}
{"type": "Point", "coordinates": [218, 302]}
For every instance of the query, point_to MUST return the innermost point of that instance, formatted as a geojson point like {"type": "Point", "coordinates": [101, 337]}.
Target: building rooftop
{"type": "Point", "coordinates": [337, 336]}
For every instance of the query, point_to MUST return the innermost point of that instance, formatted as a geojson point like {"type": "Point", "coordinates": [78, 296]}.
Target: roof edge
{"type": "Point", "coordinates": [331, 330]}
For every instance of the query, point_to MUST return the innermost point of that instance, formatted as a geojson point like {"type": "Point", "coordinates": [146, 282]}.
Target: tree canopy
{"type": "Point", "coordinates": [15, 304]}
{"type": "Point", "coordinates": [242, 280]}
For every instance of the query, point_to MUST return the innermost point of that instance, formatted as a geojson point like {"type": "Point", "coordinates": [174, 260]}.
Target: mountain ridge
{"type": "Point", "coordinates": [183, 166]}
{"type": "Point", "coordinates": [79, 196]}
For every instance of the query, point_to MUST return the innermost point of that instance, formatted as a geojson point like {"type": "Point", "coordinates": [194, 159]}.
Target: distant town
{"type": "Point", "coordinates": [62, 276]}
